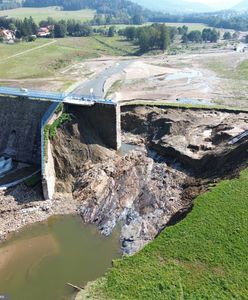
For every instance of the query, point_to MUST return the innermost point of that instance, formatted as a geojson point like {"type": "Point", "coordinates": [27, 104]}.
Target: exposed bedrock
{"type": "Point", "coordinates": [134, 191]}
{"type": "Point", "coordinates": [144, 190]}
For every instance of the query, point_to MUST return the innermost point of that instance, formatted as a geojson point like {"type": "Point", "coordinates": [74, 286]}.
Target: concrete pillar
{"type": "Point", "coordinates": [49, 175]}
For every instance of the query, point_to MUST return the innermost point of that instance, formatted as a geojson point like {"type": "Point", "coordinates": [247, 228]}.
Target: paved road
{"type": "Point", "coordinates": [97, 83]}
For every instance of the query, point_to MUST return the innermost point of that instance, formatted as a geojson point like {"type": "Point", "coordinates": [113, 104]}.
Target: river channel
{"type": "Point", "coordinates": [39, 261]}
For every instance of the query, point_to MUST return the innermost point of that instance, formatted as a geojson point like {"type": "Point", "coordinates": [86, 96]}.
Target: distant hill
{"type": "Point", "coordinates": [242, 5]}
{"type": "Point", "coordinates": [174, 5]}
{"type": "Point", "coordinates": [9, 4]}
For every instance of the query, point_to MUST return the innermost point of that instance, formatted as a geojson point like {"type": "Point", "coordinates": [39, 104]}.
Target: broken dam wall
{"type": "Point", "coordinates": [104, 119]}
{"type": "Point", "coordinates": [20, 123]}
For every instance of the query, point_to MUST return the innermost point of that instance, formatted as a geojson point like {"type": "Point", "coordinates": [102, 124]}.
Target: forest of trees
{"type": "Point", "coordinates": [101, 6]}
{"type": "Point", "coordinates": [108, 11]}
{"type": "Point", "coordinates": [226, 20]}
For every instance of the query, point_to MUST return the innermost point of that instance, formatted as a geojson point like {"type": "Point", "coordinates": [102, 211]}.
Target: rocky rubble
{"type": "Point", "coordinates": [134, 191]}
{"type": "Point", "coordinates": [21, 206]}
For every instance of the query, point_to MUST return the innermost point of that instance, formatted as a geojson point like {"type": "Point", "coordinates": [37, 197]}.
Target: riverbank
{"type": "Point", "coordinates": [22, 205]}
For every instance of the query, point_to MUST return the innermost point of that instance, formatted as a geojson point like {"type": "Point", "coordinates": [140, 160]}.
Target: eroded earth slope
{"type": "Point", "coordinates": [169, 156]}
{"type": "Point", "coordinates": [173, 155]}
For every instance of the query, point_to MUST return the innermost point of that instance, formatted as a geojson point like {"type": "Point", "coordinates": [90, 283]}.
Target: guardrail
{"type": "Point", "coordinates": [50, 96]}
{"type": "Point", "coordinates": [33, 94]}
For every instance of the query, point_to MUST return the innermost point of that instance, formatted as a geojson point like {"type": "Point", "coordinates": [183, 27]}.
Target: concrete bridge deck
{"type": "Point", "coordinates": [70, 98]}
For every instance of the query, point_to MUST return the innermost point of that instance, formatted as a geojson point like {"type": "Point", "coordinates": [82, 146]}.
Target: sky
{"type": "Point", "coordinates": [218, 3]}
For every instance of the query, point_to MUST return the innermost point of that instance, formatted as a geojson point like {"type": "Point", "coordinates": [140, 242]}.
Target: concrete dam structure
{"type": "Point", "coordinates": [20, 122]}
{"type": "Point", "coordinates": [23, 120]}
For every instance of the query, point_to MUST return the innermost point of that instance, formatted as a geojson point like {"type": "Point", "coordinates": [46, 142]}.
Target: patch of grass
{"type": "Point", "coordinates": [117, 45]}
{"type": "Point", "coordinates": [202, 257]}
{"type": "Point", "coordinates": [57, 123]}
{"type": "Point", "coordinates": [114, 88]}
{"type": "Point", "coordinates": [191, 26]}
{"type": "Point", "coordinates": [225, 69]}
{"type": "Point", "coordinates": [235, 78]}
{"type": "Point", "coordinates": [50, 130]}
{"type": "Point", "coordinates": [43, 13]}
{"type": "Point", "coordinates": [241, 71]}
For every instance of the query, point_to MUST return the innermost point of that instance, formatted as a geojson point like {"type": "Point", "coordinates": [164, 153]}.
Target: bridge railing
{"type": "Point", "coordinates": [34, 94]}
{"type": "Point", "coordinates": [51, 96]}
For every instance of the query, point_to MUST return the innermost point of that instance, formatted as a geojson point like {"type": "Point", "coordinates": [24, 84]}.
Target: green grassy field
{"type": "Point", "coordinates": [191, 26]}
{"type": "Point", "coordinates": [27, 60]}
{"type": "Point", "coordinates": [202, 257]}
{"type": "Point", "coordinates": [39, 14]}
{"type": "Point", "coordinates": [224, 68]}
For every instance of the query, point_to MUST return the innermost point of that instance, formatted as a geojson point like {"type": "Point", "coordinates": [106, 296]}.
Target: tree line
{"type": "Point", "coordinates": [109, 7]}
{"type": "Point", "coordinates": [155, 36]}
{"type": "Point", "coordinates": [225, 19]}
{"type": "Point", "coordinates": [9, 4]}
{"type": "Point", "coordinates": [23, 28]}
{"type": "Point", "coordinates": [197, 36]}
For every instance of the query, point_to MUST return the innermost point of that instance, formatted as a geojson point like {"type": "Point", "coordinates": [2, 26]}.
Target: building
{"type": "Point", "coordinates": [44, 32]}
{"type": "Point", "coordinates": [7, 35]}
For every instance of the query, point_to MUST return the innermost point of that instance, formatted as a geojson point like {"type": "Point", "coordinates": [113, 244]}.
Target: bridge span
{"type": "Point", "coordinates": [70, 98]}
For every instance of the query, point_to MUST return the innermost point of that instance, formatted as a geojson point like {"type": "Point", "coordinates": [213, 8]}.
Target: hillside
{"type": "Point", "coordinates": [102, 6]}
{"type": "Point", "coordinates": [170, 5]}
{"type": "Point", "coordinates": [242, 5]}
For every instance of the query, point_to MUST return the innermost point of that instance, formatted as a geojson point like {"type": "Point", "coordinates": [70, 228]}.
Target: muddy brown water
{"type": "Point", "coordinates": [38, 262]}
